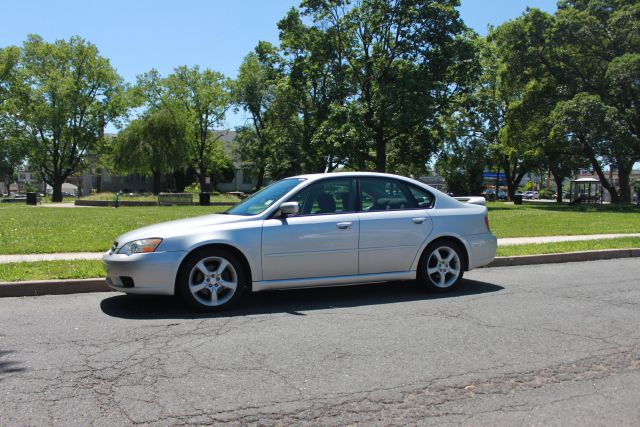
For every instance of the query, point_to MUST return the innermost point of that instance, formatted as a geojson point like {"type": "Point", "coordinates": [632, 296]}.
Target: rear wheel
{"type": "Point", "coordinates": [211, 280]}
{"type": "Point", "coordinates": [441, 267]}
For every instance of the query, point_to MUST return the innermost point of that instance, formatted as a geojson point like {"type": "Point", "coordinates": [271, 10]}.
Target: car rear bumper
{"type": "Point", "coordinates": [151, 273]}
{"type": "Point", "coordinates": [482, 249]}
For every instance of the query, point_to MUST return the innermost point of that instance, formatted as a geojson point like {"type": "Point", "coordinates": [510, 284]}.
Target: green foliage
{"type": "Point", "coordinates": [401, 63]}
{"type": "Point", "coordinates": [193, 188]}
{"type": "Point", "coordinates": [61, 97]}
{"type": "Point", "coordinates": [581, 61]}
{"type": "Point", "coordinates": [546, 194]}
{"type": "Point", "coordinates": [363, 85]}
{"type": "Point", "coordinates": [270, 145]}
{"type": "Point", "coordinates": [462, 166]}
{"type": "Point", "coordinates": [219, 162]}
{"type": "Point", "coordinates": [202, 98]}
{"type": "Point", "coordinates": [151, 145]}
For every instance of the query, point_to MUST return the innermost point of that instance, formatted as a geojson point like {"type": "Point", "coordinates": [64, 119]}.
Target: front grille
{"type": "Point", "coordinates": [127, 282]}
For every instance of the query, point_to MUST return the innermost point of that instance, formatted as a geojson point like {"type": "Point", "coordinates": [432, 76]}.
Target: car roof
{"type": "Point", "coordinates": [315, 176]}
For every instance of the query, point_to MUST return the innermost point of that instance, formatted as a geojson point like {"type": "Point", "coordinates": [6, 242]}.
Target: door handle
{"type": "Point", "coordinates": [344, 225]}
{"type": "Point", "coordinates": [419, 220]}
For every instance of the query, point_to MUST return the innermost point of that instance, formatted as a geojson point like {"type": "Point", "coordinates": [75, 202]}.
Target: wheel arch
{"type": "Point", "coordinates": [235, 251]}
{"type": "Point", "coordinates": [454, 239]}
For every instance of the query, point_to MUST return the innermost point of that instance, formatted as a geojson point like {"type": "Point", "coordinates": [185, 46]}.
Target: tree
{"type": "Point", "coordinates": [219, 161]}
{"type": "Point", "coordinates": [462, 166]}
{"type": "Point", "coordinates": [61, 98]}
{"type": "Point", "coordinates": [151, 145]}
{"type": "Point", "coordinates": [11, 148]}
{"type": "Point", "coordinates": [404, 62]}
{"type": "Point", "coordinates": [274, 136]}
{"type": "Point", "coordinates": [318, 84]}
{"type": "Point", "coordinates": [598, 130]}
{"type": "Point", "coordinates": [204, 98]}
{"type": "Point", "coordinates": [587, 54]}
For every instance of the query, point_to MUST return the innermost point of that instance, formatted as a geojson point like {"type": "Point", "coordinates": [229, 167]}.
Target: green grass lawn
{"type": "Point", "coordinates": [49, 270]}
{"type": "Point", "coordinates": [549, 219]}
{"type": "Point", "coordinates": [28, 229]}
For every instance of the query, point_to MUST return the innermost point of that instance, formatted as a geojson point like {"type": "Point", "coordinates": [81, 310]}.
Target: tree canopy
{"type": "Point", "coordinates": [62, 95]}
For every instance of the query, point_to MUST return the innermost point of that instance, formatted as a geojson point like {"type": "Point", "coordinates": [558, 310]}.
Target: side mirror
{"type": "Point", "coordinates": [289, 208]}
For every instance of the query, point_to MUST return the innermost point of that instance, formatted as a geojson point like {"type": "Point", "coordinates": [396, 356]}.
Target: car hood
{"type": "Point", "coordinates": [168, 229]}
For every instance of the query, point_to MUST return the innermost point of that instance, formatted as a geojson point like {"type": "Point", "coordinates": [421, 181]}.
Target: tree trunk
{"type": "Point", "coordinates": [623, 180]}
{"type": "Point", "coordinates": [558, 180]}
{"type": "Point", "coordinates": [156, 181]}
{"type": "Point", "coordinates": [214, 181]}
{"type": "Point", "coordinates": [260, 178]}
{"type": "Point", "coordinates": [202, 178]}
{"type": "Point", "coordinates": [381, 152]}
{"type": "Point", "coordinates": [511, 190]}
{"type": "Point", "coordinates": [603, 180]}
{"type": "Point", "coordinates": [57, 190]}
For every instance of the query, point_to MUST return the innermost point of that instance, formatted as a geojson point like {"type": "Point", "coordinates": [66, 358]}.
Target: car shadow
{"type": "Point", "coordinates": [294, 302]}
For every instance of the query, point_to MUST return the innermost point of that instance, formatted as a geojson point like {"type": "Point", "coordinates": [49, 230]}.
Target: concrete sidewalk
{"type": "Point", "coordinates": [555, 239]}
{"type": "Point", "coordinates": [5, 259]}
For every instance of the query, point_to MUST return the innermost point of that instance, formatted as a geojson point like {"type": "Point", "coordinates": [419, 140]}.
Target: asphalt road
{"type": "Point", "coordinates": [550, 344]}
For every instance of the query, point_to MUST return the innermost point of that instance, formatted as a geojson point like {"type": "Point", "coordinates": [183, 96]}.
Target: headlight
{"type": "Point", "coordinates": [139, 246]}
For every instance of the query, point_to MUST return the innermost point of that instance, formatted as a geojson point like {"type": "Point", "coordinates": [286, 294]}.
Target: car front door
{"type": "Point", "coordinates": [394, 223]}
{"type": "Point", "coordinates": [321, 241]}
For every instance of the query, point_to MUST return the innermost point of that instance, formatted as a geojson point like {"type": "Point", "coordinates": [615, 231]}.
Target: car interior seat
{"type": "Point", "coordinates": [326, 203]}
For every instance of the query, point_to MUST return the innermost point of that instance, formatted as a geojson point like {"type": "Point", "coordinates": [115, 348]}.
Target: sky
{"type": "Point", "coordinates": [137, 35]}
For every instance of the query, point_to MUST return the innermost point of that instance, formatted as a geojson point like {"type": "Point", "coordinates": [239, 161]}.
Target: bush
{"type": "Point", "coordinates": [546, 194]}
{"type": "Point", "coordinates": [193, 188]}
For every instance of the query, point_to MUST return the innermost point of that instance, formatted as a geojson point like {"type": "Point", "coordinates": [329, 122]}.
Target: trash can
{"type": "Point", "coordinates": [517, 199]}
{"type": "Point", "coordinates": [205, 199]}
{"type": "Point", "coordinates": [32, 199]}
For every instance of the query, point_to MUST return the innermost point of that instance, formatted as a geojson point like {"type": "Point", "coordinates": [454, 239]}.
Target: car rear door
{"type": "Point", "coordinates": [394, 223]}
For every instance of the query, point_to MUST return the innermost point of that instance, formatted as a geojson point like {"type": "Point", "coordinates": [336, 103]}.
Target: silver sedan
{"type": "Point", "coordinates": [306, 231]}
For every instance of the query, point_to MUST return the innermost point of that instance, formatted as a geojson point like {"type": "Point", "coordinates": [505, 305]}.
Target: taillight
{"type": "Point", "coordinates": [486, 222]}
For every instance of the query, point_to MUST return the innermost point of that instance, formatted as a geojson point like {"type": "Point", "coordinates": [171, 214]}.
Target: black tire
{"type": "Point", "coordinates": [212, 291]}
{"type": "Point", "coordinates": [436, 271]}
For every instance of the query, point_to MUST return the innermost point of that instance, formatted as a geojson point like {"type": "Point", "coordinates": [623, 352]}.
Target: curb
{"type": "Point", "coordinates": [75, 286]}
{"type": "Point", "coordinates": [52, 287]}
{"type": "Point", "coordinates": [513, 261]}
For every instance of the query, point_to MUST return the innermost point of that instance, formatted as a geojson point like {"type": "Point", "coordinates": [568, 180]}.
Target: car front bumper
{"type": "Point", "coordinates": [151, 273]}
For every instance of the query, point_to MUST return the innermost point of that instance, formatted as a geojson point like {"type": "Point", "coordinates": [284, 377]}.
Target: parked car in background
{"type": "Point", "coordinates": [530, 195]}
{"type": "Point", "coordinates": [490, 194]}
{"type": "Point", "coordinates": [305, 231]}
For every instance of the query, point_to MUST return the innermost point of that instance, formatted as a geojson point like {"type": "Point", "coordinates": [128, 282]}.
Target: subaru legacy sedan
{"type": "Point", "coordinates": [306, 231]}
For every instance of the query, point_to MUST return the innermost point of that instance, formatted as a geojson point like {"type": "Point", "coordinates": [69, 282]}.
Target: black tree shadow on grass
{"type": "Point", "coordinates": [288, 301]}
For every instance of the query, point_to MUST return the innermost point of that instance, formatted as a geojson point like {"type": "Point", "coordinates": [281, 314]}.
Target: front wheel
{"type": "Point", "coordinates": [211, 280]}
{"type": "Point", "coordinates": [441, 267]}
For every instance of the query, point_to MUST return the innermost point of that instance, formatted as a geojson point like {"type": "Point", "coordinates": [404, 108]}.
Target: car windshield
{"type": "Point", "coordinates": [264, 198]}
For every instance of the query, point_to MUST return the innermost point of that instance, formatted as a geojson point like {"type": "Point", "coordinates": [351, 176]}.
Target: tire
{"type": "Point", "coordinates": [211, 280]}
{"type": "Point", "coordinates": [441, 266]}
